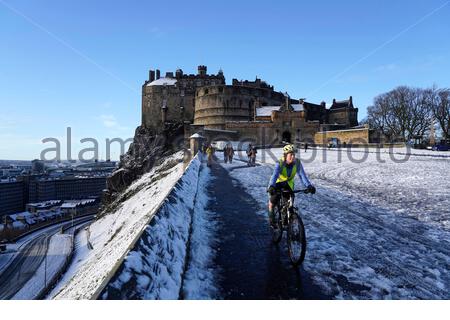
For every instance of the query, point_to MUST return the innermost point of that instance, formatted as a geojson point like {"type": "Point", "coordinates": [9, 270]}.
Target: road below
{"type": "Point", "coordinates": [24, 265]}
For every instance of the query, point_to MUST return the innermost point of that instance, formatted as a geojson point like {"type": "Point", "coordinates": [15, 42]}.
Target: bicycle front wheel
{"type": "Point", "coordinates": [296, 239]}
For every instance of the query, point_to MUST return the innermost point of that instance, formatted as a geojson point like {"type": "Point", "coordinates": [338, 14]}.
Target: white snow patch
{"type": "Point", "coordinates": [112, 235]}
{"type": "Point", "coordinates": [173, 258]}
{"type": "Point", "coordinates": [162, 82]}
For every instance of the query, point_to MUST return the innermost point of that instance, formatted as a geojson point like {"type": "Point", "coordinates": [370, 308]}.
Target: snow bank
{"type": "Point", "coordinates": [175, 246]}
{"type": "Point", "coordinates": [114, 234]}
{"type": "Point", "coordinates": [59, 250]}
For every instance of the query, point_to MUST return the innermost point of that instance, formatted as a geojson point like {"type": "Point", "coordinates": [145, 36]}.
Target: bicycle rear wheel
{"type": "Point", "coordinates": [277, 233]}
{"type": "Point", "coordinates": [296, 239]}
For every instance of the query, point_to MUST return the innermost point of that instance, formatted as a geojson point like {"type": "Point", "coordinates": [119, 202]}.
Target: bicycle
{"type": "Point", "coordinates": [287, 218]}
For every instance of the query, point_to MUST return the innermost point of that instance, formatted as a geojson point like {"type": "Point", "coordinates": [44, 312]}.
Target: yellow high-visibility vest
{"type": "Point", "coordinates": [283, 174]}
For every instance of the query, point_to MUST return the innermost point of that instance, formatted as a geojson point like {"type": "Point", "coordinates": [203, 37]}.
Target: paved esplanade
{"type": "Point", "coordinates": [251, 267]}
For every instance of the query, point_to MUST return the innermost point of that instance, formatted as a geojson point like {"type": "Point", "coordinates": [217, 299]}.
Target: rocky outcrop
{"type": "Point", "coordinates": [146, 149]}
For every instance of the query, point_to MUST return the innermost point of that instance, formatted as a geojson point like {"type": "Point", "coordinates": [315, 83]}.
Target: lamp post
{"type": "Point", "coordinates": [45, 263]}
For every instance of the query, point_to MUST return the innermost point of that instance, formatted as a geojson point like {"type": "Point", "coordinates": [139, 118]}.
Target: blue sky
{"type": "Point", "coordinates": [82, 63]}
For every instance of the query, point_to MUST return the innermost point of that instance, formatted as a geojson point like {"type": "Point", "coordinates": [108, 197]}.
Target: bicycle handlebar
{"type": "Point", "coordinates": [300, 191]}
{"type": "Point", "coordinates": [295, 191]}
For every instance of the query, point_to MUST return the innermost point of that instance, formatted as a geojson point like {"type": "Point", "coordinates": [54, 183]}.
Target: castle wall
{"type": "Point", "coordinates": [180, 94]}
{"type": "Point", "coordinates": [344, 116]}
{"type": "Point", "coordinates": [355, 136]}
{"type": "Point", "coordinates": [266, 132]}
{"type": "Point", "coordinates": [215, 105]}
{"type": "Point", "coordinates": [170, 96]}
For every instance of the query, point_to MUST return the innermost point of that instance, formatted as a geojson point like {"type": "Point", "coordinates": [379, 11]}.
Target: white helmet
{"type": "Point", "coordinates": [289, 148]}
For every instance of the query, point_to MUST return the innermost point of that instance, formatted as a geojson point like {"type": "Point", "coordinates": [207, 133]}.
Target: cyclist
{"type": "Point", "coordinates": [249, 149]}
{"type": "Point", "coordinates": [210, 153]}
{"type": "Point", "coordinates": [283, 179]}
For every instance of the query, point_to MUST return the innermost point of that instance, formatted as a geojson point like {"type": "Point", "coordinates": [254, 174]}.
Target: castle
{"type": "Point", "coordinates": [244, 110]}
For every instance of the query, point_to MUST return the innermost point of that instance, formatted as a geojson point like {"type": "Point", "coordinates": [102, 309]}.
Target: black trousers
{"type": "Point", "coordinates": [280, 186]}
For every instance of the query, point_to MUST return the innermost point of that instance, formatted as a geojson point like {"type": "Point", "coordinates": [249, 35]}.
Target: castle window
{"type": "Point", "coordinates": [206, 91]}
{"type": "Point", "coordinates": [221, 89]}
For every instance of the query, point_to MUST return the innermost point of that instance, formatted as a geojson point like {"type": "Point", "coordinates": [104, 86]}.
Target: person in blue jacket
{"type": "Point", "coordinates": [283, 178]}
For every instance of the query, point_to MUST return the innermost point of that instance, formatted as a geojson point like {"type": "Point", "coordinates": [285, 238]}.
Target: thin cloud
{"type": "Point", "coordinates": [387, 67]}
{"type": "Point", "coordinates": [157, 32]}
{"type": "Point", "coordinates": [109, 121]}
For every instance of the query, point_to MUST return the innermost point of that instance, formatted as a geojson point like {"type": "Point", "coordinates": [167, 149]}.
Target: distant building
{"type": "Point", "coordinates": [65, 188]}
{"type": "Point", "coordinates": [11, 197]}
{"type": "Point", "coordinates": [37, 166]}
{"type": "Point", "coordinates": [32, 189]}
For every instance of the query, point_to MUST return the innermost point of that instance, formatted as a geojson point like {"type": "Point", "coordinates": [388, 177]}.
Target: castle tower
{"type": "Point", "coordinates": [151, 75]}
{"type": "Point", "coordinates": [202, 71]}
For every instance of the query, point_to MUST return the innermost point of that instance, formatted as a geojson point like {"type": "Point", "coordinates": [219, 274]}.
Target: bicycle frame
{"type": "Point", "coordinates": [289, 220]}
{"type": "Point", "coordinates": [288, 207]}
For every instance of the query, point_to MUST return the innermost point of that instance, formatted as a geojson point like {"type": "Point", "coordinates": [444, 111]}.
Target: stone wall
{"type": "Point", "coordinates": [215, 105]}
{"type": "Point", "coordinates": [348, 137]}
{"type": "Point", "coordinates": [266, 132]}
{"type": "Point", "coordinates": [343, 116]}
{"type": "Point", "coordinates": [173, 98]}
{"type": "Point", "coordinates": [178, 98]}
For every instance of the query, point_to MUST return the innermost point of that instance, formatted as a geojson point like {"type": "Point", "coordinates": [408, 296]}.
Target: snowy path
{"type": "Point", "coordinates": [249, 265]}
{"type": "Point", "coordinates": [371, 233]}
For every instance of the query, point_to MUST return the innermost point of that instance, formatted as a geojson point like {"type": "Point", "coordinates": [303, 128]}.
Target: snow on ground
{"type": "Point", "coordinates": [113, 234]}
{"type": "Point", "coordinates": [375, 230]}
{"type": "Point", "coordinates": [200, 279]}
{"type": "Point", "coordinates": [81, 251]}
{"type": "Point", "coordinates": [59, 250]}
{"type": "Point", "coordinates": [173, 257]}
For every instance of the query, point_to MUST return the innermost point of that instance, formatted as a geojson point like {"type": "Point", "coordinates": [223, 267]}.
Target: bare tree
{"type": "Point", "coordinates": [440, 106]}
{"type": "Point", "coordinates": [402, 113]}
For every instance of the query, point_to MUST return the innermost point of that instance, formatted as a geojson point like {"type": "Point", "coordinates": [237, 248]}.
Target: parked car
{"type": "Point", "coordinates": [441, 147]}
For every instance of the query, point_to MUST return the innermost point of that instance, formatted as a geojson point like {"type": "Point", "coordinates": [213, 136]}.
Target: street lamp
{"type": "Point", "coordinates": [45, 263]}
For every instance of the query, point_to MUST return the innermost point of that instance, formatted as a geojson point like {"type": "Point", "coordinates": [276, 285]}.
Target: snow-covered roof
{"type": "Point", "coordinates": [18, 225]}
{"type": "Point", "coordinates": [266, 111]}
{"type": "Point", "coordinates": [298, 107]}
{"type": "Point", "coordinates": [76, 203]}
{"type": "Point", "coordinates": [196, 136]}
{"type": "Point", "coordinates": [163, 82]}
{"type": "Point", "coordinates": [45, 203]}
